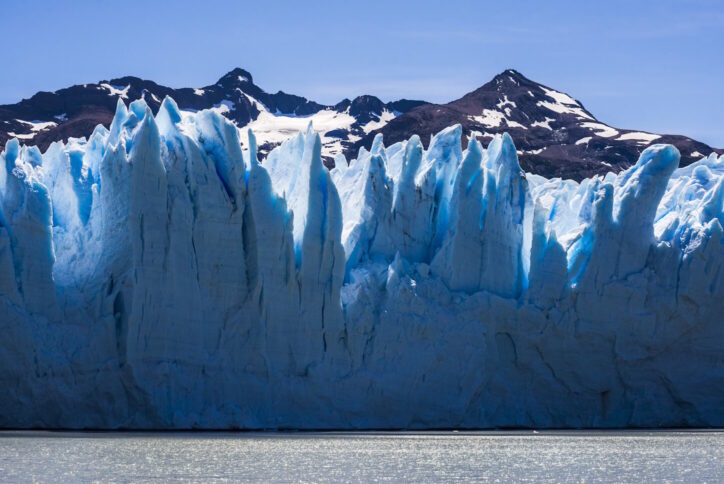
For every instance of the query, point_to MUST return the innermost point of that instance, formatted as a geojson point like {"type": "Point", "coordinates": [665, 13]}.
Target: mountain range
{"type": "Point", "coordinates": [556, 136]}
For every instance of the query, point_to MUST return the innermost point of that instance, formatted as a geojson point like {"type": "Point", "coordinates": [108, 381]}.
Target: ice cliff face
{"type": "Point", "coordinates": [156, 276]}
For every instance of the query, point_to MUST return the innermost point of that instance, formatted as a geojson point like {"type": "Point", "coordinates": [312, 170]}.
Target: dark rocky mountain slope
{"type": "Point", "coordinates": [554, 133]}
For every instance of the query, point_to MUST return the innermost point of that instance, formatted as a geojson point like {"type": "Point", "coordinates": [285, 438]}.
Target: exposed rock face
{"type": "Point", "coordinates": [76, 111]}
{"type": "Point", "coordinates": [555, 135]}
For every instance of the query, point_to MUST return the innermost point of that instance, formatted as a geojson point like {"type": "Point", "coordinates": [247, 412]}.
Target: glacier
{"type": "Point", "coordinates": [158, 275]}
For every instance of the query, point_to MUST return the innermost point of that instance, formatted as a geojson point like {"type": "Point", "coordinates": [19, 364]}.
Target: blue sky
{"type": "Point", "coordinates": [652, 65]}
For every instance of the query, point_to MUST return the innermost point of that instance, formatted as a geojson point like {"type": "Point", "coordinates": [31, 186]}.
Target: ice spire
{"type": "Point", "coordinates": [505, 198]}
{"type": "Point", "coordinates": [459, 261]}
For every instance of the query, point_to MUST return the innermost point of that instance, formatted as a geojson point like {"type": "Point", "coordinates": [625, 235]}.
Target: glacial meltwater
{"type": "Point", "coordinates": [630, 456]}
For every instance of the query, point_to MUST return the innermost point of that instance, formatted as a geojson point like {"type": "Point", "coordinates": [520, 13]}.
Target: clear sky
{"type": "Point", "coordinates": [655, 65]}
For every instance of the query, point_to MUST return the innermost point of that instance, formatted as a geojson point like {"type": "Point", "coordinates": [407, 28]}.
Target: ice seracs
{"type": "Point", "coordinates": [157, 275]}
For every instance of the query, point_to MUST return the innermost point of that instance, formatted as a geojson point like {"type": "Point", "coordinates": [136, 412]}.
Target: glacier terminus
{"type": "Point", "coordinates": [158, 275]}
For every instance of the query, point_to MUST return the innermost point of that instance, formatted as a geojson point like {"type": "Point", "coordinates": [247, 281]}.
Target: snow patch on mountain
{"type": "Point", "coordinates": [546, 123]}
{"type": "Point", "coordinates": [275, 128]}
{"type": "Point", "coordinates": [563, 104]}
{"type": "Point", "coordinates": [601, 129]}
{"type": "Point", "coordinates": [643, 138]}
{"type": "Point", "coordinates": [34, 126]}
{"type": "Point", "coordinates": [494, 119]}
{"type": "Point", "coordinates": [223, 107]}
{"type": "Point", "coordinates": [559, 97]}
{"type": "Point", "coordinates": [381, 120]}
{"type": "Point", "coordinates": [120, 91]}
{"type": "Point", "coordinates": [38, 125]}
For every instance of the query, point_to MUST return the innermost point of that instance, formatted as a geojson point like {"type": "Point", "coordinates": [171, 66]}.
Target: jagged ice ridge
{"type": "Point", "coordinates": [157, 276]}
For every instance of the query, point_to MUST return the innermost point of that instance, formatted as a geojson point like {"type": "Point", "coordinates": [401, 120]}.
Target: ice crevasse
{"type": "Point", "coordinates": [157, 275]}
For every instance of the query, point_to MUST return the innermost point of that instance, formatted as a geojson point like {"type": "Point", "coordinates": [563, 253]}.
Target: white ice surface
{"type": "Point", "coordinates": [157, 276]}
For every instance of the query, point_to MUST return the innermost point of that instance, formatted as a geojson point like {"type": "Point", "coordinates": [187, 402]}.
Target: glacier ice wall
{"type": "Point", "coordinates": [156, 275]}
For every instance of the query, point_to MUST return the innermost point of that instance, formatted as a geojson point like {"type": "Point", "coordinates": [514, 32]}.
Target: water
{"type": "Point", "coordinates": [694, 456]}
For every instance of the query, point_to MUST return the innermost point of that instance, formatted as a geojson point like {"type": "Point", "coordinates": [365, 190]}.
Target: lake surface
{"type": "Point", "coordinates": [693, 456]}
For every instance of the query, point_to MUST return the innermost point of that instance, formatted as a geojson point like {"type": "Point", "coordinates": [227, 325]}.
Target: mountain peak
{"type": "Point", "coordinates": [511, 73]}
{"type": "Point", "coordinates": [236, 76]}
{"type": "Point", "coordinates": [366, 104]}
{"type": "Point", "coordinates": [508, 79]}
